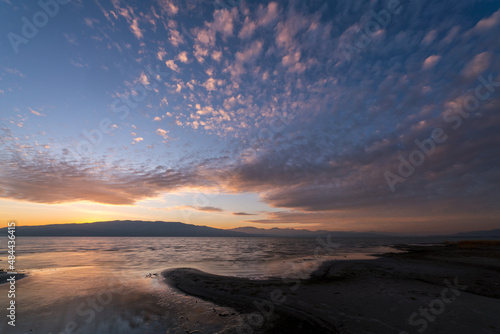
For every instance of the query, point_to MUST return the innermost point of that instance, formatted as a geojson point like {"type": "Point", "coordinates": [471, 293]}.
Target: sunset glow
{"type": "Point", "coordinates": [273, 114]}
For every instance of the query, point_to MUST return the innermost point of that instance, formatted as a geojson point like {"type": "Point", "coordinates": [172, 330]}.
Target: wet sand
{"type": "Point", "coordinates": [433, 289]}
{"type": "Point", "coordinates": [4, 276]}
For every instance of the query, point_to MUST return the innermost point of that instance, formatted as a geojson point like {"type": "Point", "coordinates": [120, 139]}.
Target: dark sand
{"type": "Point", "coordinates": [460, 283]}
{"type": "Point", "coordinates": [4, 276]}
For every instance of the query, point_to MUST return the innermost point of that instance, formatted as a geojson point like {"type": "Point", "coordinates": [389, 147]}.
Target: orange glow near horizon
{"type": "Point", "coordinates": [35, 214]}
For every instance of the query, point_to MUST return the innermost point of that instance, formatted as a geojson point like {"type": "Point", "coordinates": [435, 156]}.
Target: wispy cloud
{"type": "Point", "coordinates": [34, 112]}
{"type": "Point", "coordinates": [243, 214]}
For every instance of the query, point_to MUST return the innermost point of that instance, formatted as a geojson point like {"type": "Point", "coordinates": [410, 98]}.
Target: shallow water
{"type": "Point", "coordinates": [108, 284]}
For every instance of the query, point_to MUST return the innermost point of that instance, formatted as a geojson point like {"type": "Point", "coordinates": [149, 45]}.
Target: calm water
{"type": "Point", "coordinates": [107, 285]}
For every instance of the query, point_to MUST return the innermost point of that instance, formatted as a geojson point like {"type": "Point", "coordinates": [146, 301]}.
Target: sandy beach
{"type": "Point", "coordinates": [449, 288]}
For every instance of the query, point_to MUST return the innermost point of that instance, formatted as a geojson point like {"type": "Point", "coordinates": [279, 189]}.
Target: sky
{"type": "Point", "coordinates": [334, 115]}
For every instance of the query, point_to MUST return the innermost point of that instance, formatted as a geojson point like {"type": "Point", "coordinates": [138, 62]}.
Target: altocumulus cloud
{"type": "Point", "coordinates": [307, 129]}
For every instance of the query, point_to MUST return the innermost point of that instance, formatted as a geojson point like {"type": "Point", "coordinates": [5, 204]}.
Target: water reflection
{"type": "Point", "coordinates": [105, 285]}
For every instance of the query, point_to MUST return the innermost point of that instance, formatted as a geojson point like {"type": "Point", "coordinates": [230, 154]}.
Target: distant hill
{"type": "Point", "coordinates": [138, 228]}
{"type": "Point", "coordinates": [478, 234]}
{"type": "Point", "coordinates": [123, 228]}
{"type": "Point", "coordinates": [290, 232]}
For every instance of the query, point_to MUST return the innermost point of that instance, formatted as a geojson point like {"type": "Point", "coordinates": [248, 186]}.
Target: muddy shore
{"type": "Point", "coordinates": [448, 288]}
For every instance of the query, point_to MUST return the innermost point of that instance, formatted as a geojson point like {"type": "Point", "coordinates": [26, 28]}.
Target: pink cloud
{"type": "Point", "coordinates": [430, 62]}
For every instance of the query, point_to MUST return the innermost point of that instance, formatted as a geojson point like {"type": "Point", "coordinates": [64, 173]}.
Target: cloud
{"type": "Point", "coordinates": [15, 72]}
{"type": "Point", "coordinates": [34, 112]}
{"type": "Point", "coordinates": [138, 139]}
{"type": "Point", "coordinates": [307, 174]}
{"type": "Point", "coordinates": [487, 23]}
{"type": "Point", "coordinates": [292, 59]}
{"type": "Point", "coordinates": [135, 29]}
{"type": "Point", "coordinates": [143, 79]}
{"type": "Point", "coordinates": [250, 53]}
{"type": "Point", "coordinates": [477, 65]}
{"type": "Point", "coordinates": [205, 36]}
{"type": "Point", "coordinates": [248, 29]}
{"type": "Point", "coordinates": [42, 181]}
{"type": "Point", "coordinates": [162, 133]}
{"type": "Point", "coordinates": [242, 214]}
{"type": "Point", "coordinates": [286, 31]}
{"type": "Point", "coordinates": [293, 217]}
{"type": "Point", "coordinates": [223, 21]}
{"type": "Point", "coordinates": [90, 22]}
{"type": "Point", "coordinates": [175, 37]}
{"type": "Point", "coordinates": [287, 116]}
{"type": "Point", "coordinates": [217, 55]}
{"type": "Point", "coordinates": [70, 38]}
{"type": "Point", "coordinates": [429, 37]}
{"type": "Point", "coordinates": [210, 84]}
{"type": "Point", "coordinates": [204, 41]}
{"type": "Point", "coordinates": [197, 208]}
{"type": "Point", "coordinates": [183, 58]}
{"type": "Point", "coordinates": [206, 208]}
{"type": "Point", "coordinates": [161, 53]}
{"type": "Point", "coordinates": [169, 7]}
{"type": "Point", "coordinates": [269, 14]}
{"type": "Point", "coordinates": [430, 62]}
{"type": "Point", "coordinates": [171, 65]}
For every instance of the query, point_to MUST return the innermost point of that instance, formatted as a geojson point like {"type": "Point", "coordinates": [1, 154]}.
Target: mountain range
{"type": "Point", "coordinates": [123, 228]}
{"type": "Point", "coordinates": [290, 232]}
{"type": "Point", "coordinates": [478, 234]}
{"type": "Point", "coordinates": [138, 228]}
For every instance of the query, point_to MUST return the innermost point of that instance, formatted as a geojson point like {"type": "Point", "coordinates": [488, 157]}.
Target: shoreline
{"type": "Point", "coordinates": [458, 284]}
{"type": "Point", "coordinates": [4, 276]}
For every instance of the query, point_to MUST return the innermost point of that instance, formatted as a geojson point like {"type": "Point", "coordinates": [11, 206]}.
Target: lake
{"type": "Point", "coordinates": [108, 284]}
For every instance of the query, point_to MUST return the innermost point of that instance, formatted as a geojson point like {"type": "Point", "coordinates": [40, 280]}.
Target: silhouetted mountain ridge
{"type": "Point", "coordinates": [139, 228]}
{"type": "Point", "coordinates": [124, 228]}
{"type": "Point", "coordinates": [477, 234]}
{"type": "Point", "coordinates": [290, 232]}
